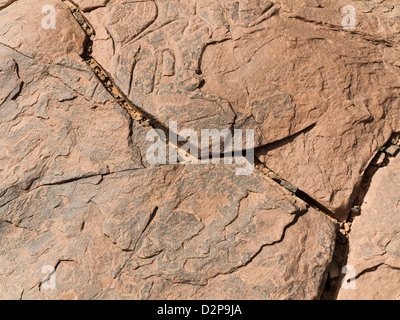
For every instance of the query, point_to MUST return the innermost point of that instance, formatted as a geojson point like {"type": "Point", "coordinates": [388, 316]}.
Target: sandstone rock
{"type": "Point", "coordinates": [79, 201]}
{"type": "Point", "coordinates": [392, 150]}
{"type": "Point", "coordinates": [327, 161]}
{"type": "Point", "coordinates": [146, 233]}
{"type": "Point", "coordinates": [21, 27]}
{"type": "Point", "coordinates": [286, 69]}
{"type": "Point", "coordinates": [88, 5]}
{"type": "Point", "coordinates": [380, 160]}
{"type": "Point", "coordinates": [58, 123]}
{"type": "Point", "coordinates": [375, 239]}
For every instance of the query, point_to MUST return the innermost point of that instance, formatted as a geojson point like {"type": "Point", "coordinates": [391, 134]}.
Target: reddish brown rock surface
{"type": "Point", "coordinates": [375, 239]}
{"type": "Point", "coordinates": [147, 233]}
{"type": "Point", "coordinates": [279, 68]}
{"type": "Point", "coordinates": [77, 193]}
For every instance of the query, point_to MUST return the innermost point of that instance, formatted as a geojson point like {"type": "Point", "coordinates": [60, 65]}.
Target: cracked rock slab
{"type": "Point", "coordinates": [320, 98]}
{"type": "Point", "coordinates": [57, 121]}
{"type": "Point", "coordinates": [269, 275]}
{"type": "Point", "coordinates": [77, 195]}
{"type": "Point", "coordinates": [358, 112]}
{"type": "Point", "coordinates": [164, 233]}
{"type": "Point", "coordinates": [375, 239]}
{"type": "Point", "coordinates": [78, 198]}
{"type": "Point", "coordinates": [58, 124]}
{"type": "Point", "coordinates": [21, 28]}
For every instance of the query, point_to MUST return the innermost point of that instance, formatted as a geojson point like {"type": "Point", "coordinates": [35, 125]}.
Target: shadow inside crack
{"type": "Point", "coordinates": [336, 275]}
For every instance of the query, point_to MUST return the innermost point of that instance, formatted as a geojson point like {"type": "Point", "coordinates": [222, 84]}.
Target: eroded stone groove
{"type": "Point", "coordinates": [293, 189]}
{"type": "Point", "coordinates": [5, 3]}
{"type": "Point", "coordinates": [338, 28]}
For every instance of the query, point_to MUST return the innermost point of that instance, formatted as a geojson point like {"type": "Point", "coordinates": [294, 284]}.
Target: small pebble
{"type": "Point", "coordinates": [289, 186]}
{"type": "Point", "coordinates": [146, 123]}
{"type": "Point", "coordinates": [392, 150]}
{"type": "Point", "coordinates": [273, 175]}
{"type": "Point", "coordinates": [334, 271]}
{"type": "Point", "coordinates": [265, 170]}
{"type": "Point", "coordinates": [355, 210]}
{"type": "Point", "coordinates": [381, 159]}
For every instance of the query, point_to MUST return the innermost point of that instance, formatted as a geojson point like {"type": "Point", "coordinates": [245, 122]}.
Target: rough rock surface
{"type": "Point", "coordinates": [359, 87]}
{"type": "Point", "coordinates": [88, 5]}
{"type": "Point", "coordinates": [21, 30]}
{"type": "Point", "coordinates": [280, 68]}
{"type": "Point", "coordinates": [375, 239]}
{"type": "Point", "coordinates": [77, 195]}
{"type": "Point", "coordinates": [148, 233]}
{"type": "Point", "coordinates": [58, 123]}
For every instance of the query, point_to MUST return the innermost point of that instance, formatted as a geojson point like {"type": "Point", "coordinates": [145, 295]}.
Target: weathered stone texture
{"type": "Point", "coordinates": [280, 68]}
{"type": "Point", "coordinates": [375, 239]}
{"type": "Point", "coordinates": [78, 194]}
{"type": "Point", "coordinates": [153, 233]}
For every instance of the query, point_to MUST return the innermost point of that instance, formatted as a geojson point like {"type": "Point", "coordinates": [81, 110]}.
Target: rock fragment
{"type": "Point", "coordinates": [392, 150]}
{"type": "Point", "coordinates": [380, 161]}
{"type": "Point", "coordinates": [374, 254]}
